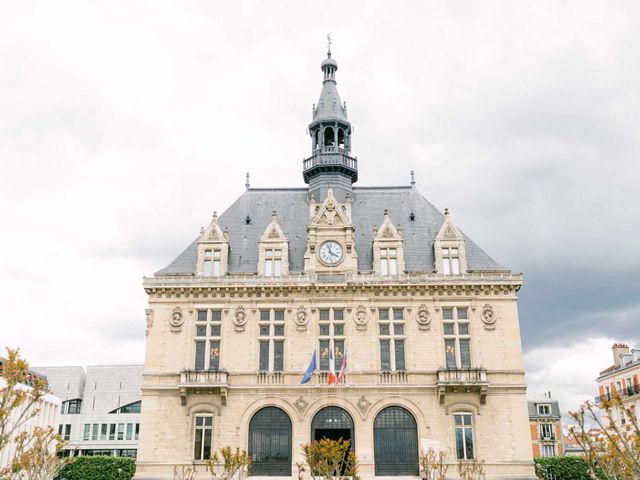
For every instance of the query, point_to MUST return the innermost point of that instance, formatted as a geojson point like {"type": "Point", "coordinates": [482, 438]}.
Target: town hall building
{"type": "Point", "coordinates": [413, 323]}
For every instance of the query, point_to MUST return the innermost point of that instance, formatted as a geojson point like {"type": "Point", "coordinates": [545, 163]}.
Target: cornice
{"type": "Point", "coordinates": [493, 284]}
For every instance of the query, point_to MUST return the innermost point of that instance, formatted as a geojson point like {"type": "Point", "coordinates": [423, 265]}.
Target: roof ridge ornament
{"type": "Point", "coordinates": [329, 43]}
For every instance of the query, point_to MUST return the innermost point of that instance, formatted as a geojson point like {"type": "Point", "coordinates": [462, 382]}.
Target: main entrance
{"type": "Point", "coordinates": [396, 442]}
{"type": "Point", "coordinates": [333, 423]}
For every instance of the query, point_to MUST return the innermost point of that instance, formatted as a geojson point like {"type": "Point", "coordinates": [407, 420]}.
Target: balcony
{"type": "Point", "coordinates": [270, 378]}
{"type": "Point", "coordinates": [547, 437]}
{"type": "Point", "coordinates": [330, 159]}
{"type": "Point", "coordinates": [462, 380]}
{"type": "Point", "coordinates": [203, 381]}
{"type": "Point", "coordinates": [389, 377]}
{"type": "Point", "coordinates": [624, 393]}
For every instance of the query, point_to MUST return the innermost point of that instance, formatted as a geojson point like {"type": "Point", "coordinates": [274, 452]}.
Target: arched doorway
{"type": "Point", "coordinates": [333, 423]}
{"type": "Point", "coordinates": [270, 443]}
{"type": "Point", "coordinates": [396, 442]}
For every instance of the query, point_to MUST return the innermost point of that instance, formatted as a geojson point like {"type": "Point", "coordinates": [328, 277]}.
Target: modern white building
{"type": "Point", "coordinates": [48, 411]}
{"type": "Point", "coordinates": [100, 411]}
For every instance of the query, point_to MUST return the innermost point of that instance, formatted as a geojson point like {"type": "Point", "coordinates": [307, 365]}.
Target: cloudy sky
{"type": "Point", "coordinates": [124, 125]}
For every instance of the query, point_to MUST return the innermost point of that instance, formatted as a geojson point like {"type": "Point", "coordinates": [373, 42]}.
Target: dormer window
{"type": "Point", "coordinates": [273, 262]}
{"type": "Point", "coordinates": [212, 263]}
{"type": "Point", "coordinates": [388, 261]}
{"type": "Point", "coordinates": [450, 261]}
{"type": "Point", "coordinates": [544, 410]}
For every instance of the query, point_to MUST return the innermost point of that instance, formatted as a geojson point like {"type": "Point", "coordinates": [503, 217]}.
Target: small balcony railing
{"type": "Point", "coordinates": [390, 377]}
{"type": "Point", "coordinates": [204, 381]}
{"type": "Point", "coordinates": [550, 437]}
{"type": "Point", "coordinates": [330, 159]}
{"type": "Point", "coordinates": [270, 378]}
{"type": "Point", "coordinates": [462, 380]}
{"type": "Point", "coordinates": [630, 391]}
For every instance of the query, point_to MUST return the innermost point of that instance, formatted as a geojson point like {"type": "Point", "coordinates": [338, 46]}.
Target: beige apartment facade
{"type": "Point", "coordinates": [421, 323]}
{"type": "Point", "coordinates": [622, 379]}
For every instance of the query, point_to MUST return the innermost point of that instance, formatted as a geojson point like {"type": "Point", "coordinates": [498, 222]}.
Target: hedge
{"type": "Point", "coordinates": [99, 468]}
{"type": "Point", "coordinates": [562, 468]}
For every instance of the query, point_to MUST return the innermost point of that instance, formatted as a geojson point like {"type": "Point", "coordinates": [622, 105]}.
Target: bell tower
{"type": "Point", "coordinates": [330, 162]}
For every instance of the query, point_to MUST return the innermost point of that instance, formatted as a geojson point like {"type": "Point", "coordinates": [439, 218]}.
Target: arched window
{"type": "Point", "coordinates": [270, 443]}
{"type": "Point", "coordinates": [329, 137]}
{"type": "Point", "coordinates": [396, 442]}
{"type": "Point", "coordinates": [332, 423]}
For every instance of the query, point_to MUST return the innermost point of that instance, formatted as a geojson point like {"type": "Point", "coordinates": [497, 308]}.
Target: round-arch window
{"type": "Point", "coordinates": [396, 442]}
{"type": "Point", "coordinates": [270, 443]}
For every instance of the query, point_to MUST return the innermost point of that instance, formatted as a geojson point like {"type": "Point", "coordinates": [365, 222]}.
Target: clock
{"type": "Point", "coordinates": [330, 253]}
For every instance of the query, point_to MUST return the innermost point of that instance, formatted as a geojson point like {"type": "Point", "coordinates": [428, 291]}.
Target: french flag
{"type": "Point", "coordinates": [332, 368]}
{"type": "Point", "coordinates": [343, 368]}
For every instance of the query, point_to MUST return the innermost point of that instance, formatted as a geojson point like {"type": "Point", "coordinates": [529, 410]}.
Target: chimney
{"type": "Point", "coordinates": [619, 349]}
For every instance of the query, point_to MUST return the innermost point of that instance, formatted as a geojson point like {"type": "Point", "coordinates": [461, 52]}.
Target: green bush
{"type": "Point", "coordinates": [99, 468]}
{"type": "Point", "coordinates": [562, 468]}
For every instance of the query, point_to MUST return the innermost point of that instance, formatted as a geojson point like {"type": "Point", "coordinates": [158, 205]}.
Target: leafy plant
{"type": "Point", "coordinates": [614, 452]}
{"type": "Point", "coordinates": [434, 464]}
{"type": "Point", "coordinates": [99, 468]}
{"type": "Point", "coordinates": [18, 403]}
{"type": "Point", "coordinates": [557, 468]}
{"type": "Point", "coordinates": [331, 459]}
{"type": "Point", "coordinates": [227, 464]}
{"type": "Point", "coordinates": [471, 469]}
{"type": "Point", "coordinates": [36, 456]}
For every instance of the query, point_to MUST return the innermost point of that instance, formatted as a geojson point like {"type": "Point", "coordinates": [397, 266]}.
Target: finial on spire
{"type": "Point", "coordinates": [446, 211]}
{"type": "Point", "coordinates": [247, 184]}
{"type": "Point", "coordinates": [413, 179]}
{"type": "Point", "coordinates": [329, 43]}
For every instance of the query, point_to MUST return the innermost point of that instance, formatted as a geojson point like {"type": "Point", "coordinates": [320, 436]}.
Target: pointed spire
{"type": "Point", "coordinates": [247, 184]}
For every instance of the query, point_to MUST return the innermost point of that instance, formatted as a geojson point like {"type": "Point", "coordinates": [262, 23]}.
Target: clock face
{"type": "Point", "coordinates": [330, 252]}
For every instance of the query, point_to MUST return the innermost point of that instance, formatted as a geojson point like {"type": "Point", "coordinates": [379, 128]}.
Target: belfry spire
{"type": "Point", "coordinates": [330, 131]}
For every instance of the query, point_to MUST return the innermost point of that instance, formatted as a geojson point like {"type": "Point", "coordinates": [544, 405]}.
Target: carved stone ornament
{"type": "Point", "coordinates": [363, 405]}
{"type": "Point", "coordinates": [360, 318]}
{"type": "Point", "coordinates": [423, 317]}
{"type": "Point", "coordinates": [301, 405]}
{"type": "Point", "coordinates": [149, 313]}
{"type": "Point", "coordinates": [176, 320]}
{"type": "Point", "coordinates": [301, 318]}
{"type": "Point", "coordinates": [488, 317]}
{"type": "Point", "coordinates": [239, 319]}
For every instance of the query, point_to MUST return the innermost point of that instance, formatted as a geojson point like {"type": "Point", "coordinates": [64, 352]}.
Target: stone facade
{"type": "Point", "coordinates": [427, 322]}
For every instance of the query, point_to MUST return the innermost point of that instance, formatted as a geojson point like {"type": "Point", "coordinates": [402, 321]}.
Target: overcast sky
{"type": "Point", "coordinates": [124, 125]}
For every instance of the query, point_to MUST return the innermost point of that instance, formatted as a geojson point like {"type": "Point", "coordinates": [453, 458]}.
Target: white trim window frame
{"type": "Point", "coordinates": [456, 329]}
{"type": "Point", "coordinates": [202, 436]}
{"type": "Point", "coordinates": [451, 260]}
{"type": "Point", "coordinates": [388, 261]}
{"type": "Point", "coordinates": [208, 339]}
{"type": "Point", "coordinates": [463, 435]}
{"type": "Point", "coordinates": [271, 330]}
{"type": "Point", "coordinates": [273, 262]}
{"type": "Point", "coordinates": [391, 330]}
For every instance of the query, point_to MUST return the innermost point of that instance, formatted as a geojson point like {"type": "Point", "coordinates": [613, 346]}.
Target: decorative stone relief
{"type": "Point", "coordinates": [301, 405]}
{"type": "Point", "coordinates": [239, 319]}
{"type": "Point", "coordinates": [363, 405]}
{"type": "Point", "coordinates": [360, 318]}
{"type": "Point", "coordinates": [301, 318]}
{"type": "Point", "coordinates": [176, 320]}
{"type": "Point", "coordinates": [149, 313]}
{"type": "Point", "coordinates": [423, 317]}
{"type": "Point", "coordinates": [488, 317]}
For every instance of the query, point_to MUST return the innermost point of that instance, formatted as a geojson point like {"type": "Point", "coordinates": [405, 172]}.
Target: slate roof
{"type": "Point", "coordinates": [368, 208]}
{"type": "Point", "coordinates": [533, 409]}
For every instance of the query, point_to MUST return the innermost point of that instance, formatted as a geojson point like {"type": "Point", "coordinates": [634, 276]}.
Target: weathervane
{"type": "Point", "coordinates": [329, 43]}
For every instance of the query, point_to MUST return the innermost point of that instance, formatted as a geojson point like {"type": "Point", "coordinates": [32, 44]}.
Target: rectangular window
{"type": "Point", "coordinates": [214, 357]}
{"type": "Point", "coordinates": [272, 329]}
{"type": "Point", "coordinates": [546, 431]}
{"type": "Point", "coordinates": [450, 261]}
{"type": "Point", "coordinates": [87, 432]}
{"type": "Point", "coordinates": [273, 262]}
{"type": "Point", "coordinates": [60, 427]}
{"type": "Point", "coordinates": [200, 346]}
{"type": "Point", "coordinates": [104, 431]}
{"type": "Point", "coordinates": [388, 261]}
{"type": "Point", "coordinates": [202, 437]}
{"type": "Point", "coordinates": [208, 333]}
{"type": "Point", "coordinates": [121, 431]}
{"type": "Point", "coordinates": [331, 328]}
{"type": "Point", "coordinates": [129, 431]}
{"type": "Point", "coordinates": [391, 328]}
{"type": "Point", "coordinates": [544, 410]}
{"type": "Point", "coordinates": [548, 451]}
{"type": "Point", "coordinates": [457, 341]}
{"type": "Point", "coordinates": [464, 436]}
{"type": "Point", "coordinates": [94, 432]}
{"type": "Point", "coordinates": [137, 432]}
{"type": "Point", "coordinates": [112, 431]}
{"type": "Point", "coordinates": [67, 432]}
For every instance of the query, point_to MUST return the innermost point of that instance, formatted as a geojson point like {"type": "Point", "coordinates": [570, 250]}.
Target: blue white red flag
{"type": "Point", "coordinates": [343, 368]}
{"type": "Point", "coordinates": [332, 368]}
{"type": "Point", "coordinates": [310, 369]}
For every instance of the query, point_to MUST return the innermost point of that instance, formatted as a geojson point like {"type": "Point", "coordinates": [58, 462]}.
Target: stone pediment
{"type": "Point", "coordinates": [273, 232]}
{"type": "Point", "coordinates": [387, 232]}
{"type": "Point", "coordinates": [213, 233]}
{"type": "Point", "coordinates": [330, 213]}
{"type": "Point", "coordinates": [448, 231]}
